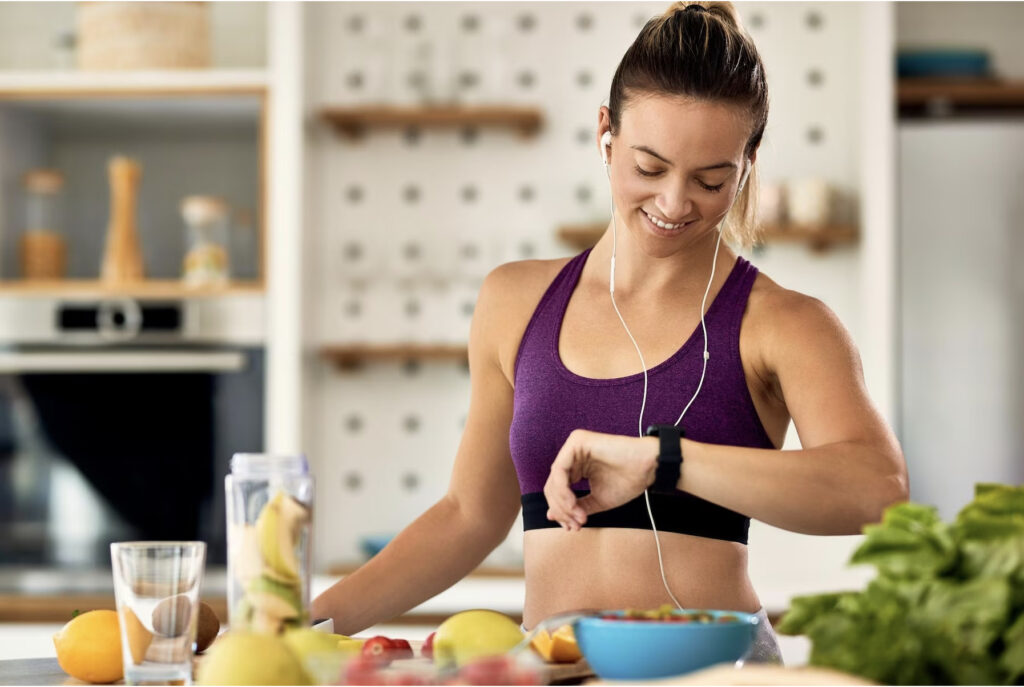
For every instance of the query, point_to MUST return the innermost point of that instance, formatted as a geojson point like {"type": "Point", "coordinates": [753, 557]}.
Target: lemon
{"type": "Point", "coordinates": [89, 647]}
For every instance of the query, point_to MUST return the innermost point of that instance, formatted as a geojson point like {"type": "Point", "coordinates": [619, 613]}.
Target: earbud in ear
{"type": "Point", "coordinates": [606, 143]}
{"type": "Point", "coordinates": [743, 179]}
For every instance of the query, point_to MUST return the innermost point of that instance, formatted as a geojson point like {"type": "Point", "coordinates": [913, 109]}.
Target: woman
{"type": "Point", "coordinates": [559, 354]}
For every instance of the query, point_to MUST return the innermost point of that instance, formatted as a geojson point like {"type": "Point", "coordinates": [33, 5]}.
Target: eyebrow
{"type": "Point", "coordinates": [718, 165]}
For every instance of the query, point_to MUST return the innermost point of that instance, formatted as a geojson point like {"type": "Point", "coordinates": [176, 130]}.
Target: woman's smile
{"type": "Point", "coordinates": [661, 228]}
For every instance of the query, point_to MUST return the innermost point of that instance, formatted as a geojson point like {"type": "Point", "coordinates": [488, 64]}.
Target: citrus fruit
{"type": "Point", "coordinates": [89, 647]}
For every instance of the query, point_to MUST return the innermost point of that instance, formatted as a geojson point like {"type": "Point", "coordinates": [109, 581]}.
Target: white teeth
{"type": "Point", "coordinates": [663, 225]}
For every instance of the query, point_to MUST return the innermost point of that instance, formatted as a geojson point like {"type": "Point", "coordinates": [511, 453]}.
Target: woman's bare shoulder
{"type": "Point", "coordinates": [781, 317]}
{"type": "Point", "coordinates": [508, 297]}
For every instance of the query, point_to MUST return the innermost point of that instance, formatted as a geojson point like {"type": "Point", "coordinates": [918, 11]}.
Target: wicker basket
{"type": "Point", "coordinates": [143, 35]}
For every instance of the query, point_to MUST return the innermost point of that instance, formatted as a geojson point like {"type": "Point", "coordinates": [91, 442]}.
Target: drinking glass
{"type": "Point", "coordinates": [156, 588]}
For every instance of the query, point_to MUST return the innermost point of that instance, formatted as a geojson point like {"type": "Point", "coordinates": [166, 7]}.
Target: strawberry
{"type": "Point", "coordinates": [427, 650]}
{"type": "Point", "coordinates": [401, 649]}
{"type": "Point", "coordinates": [379, 650]}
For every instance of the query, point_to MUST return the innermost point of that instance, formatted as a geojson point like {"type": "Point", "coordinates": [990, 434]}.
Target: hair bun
{"type": "Point", "coordinates": [723, 9]}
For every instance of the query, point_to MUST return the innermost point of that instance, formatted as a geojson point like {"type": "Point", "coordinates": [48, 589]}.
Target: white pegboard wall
{"type": "Point", "coordinates": [404, 224]}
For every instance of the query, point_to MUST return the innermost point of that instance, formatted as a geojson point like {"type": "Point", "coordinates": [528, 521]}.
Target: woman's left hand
{"type": "Point", "coordinates": [619, 468]}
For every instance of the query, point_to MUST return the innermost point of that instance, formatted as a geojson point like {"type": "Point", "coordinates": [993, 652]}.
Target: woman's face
{"type": "Point", "coordinates": [675, 166]}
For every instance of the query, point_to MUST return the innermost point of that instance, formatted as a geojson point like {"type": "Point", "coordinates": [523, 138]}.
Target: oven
{"type": "Point", "coordinates": [118, 417]}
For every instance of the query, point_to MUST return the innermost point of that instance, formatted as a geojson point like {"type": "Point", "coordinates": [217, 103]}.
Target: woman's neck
{"type": "Point", "coordinates": [639, 274]}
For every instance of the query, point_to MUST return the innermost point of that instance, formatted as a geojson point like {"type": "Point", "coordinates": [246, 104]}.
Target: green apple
{"type": "Point", "coordinates": [242, 658]}
{"type": "Point", "coordinates": [274, 598]}
{"type": "Point", "coordinates": [469, 635]}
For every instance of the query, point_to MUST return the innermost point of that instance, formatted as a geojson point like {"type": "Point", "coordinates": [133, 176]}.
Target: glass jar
{"type": "Point", "coordinates": [206, 221]}
{"type": "Point", "coordinates": [43, 248]}
{"type": "Point", "coordinates": [270, 533]}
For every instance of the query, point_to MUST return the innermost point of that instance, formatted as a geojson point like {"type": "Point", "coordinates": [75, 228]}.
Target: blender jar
{"type": "Point", "coordinates": [269, 524]}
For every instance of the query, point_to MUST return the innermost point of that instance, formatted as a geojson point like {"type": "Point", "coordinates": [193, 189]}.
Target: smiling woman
{"type": "Point", "coordinates": [660, 324]}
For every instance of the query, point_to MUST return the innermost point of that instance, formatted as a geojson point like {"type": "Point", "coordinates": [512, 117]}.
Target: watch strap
{"type": "Point", "coordinates": [670, 457]}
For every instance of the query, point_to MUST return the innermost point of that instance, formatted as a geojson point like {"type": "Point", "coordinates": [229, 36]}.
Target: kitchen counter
{"type": "Point", "coordinates": [47, 595]}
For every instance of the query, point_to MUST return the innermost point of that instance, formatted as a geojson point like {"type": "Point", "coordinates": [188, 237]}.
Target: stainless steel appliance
{"type": "Point", "coordinates": [117, 420]}
{"type": "Point", "coordinates": [962, 305]}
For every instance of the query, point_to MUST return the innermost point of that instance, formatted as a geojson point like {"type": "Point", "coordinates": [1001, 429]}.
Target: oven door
{"type": "Point", "coordinates": [107, 436]}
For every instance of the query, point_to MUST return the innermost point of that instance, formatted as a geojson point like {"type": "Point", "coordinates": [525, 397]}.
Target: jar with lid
{"type": "Point", "coordinates": [269, 525]}
{"type": "Point", "coordinates": [43, 248]}
{"type": "Point", "coordinates": [206, 260]}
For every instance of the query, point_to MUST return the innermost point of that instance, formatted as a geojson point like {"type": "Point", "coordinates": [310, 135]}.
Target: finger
{"type": "Point", "coordinates": [558, 489]}
{"type": "Point", "coordinates": [586, 505]}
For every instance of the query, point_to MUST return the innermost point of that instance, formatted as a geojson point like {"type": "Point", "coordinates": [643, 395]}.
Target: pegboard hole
{"type": "Point", "coordinates": [353, 251]}
{"type": "Point", "coordinates": [526, 23]}
{"type": "Point", "coordinates": [352, 481]}
{"type": "Point", "coordinates": [353, 309]}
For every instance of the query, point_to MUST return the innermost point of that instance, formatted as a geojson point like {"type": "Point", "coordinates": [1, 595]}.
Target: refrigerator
{"type": "Point", "coordinates": [961, 310]}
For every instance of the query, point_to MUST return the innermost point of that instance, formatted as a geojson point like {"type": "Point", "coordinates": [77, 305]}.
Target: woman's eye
{"type": "Point", "coordinates": [713, 189]}
{"type": "Point", "coordinates": [645, 172]}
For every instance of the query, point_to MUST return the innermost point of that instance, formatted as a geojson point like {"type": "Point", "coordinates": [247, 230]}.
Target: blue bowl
{"type": "Point", "coordinates": [642, 649]}
{"type": "Point", "coordinates": [372, 544]}
{"type": "Point", "coordinates": [939, 63]}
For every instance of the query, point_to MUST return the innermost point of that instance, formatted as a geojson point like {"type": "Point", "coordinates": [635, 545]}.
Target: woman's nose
{"type": "Point", "coordinates": [675, 202]}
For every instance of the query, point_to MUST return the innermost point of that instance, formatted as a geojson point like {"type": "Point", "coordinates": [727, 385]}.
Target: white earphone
{"type": "Point", "coordinates": [606, 143]}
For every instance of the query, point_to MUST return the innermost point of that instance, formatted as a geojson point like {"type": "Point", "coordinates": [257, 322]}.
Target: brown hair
{"type": "Point", "coordinates": [700, 50]}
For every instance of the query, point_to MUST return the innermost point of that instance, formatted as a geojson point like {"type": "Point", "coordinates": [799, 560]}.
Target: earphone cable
{"type": "Point", "coordinates": [704, 367]}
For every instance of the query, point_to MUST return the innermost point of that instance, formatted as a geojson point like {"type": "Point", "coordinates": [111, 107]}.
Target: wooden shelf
{"type": "Point", "coordinates": [352, 356]}
{"type": "Point", "coordinates": [153, 288]}
{"type": "Point", "coordinates": [355, 121]}
{"type": "Point", "coordinates": [818, 238]}
{"type": "Point", "coordinates": [73, 83]}
{"type": "Point", "coordinates": [946, 96]}
{"type": "Point", "coordinates": [583, 236]}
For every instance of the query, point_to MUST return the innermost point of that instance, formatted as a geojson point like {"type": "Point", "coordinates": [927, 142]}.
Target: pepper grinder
{"type": "Point", "coordinates": [122, 261]}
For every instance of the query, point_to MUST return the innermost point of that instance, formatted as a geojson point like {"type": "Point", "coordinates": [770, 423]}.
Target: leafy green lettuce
{"type": "Point", "coordinates": [947, 605]}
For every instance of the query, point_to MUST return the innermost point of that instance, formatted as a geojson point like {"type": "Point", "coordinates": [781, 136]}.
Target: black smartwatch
{"type": "Point", "coordinates": [670, 457]}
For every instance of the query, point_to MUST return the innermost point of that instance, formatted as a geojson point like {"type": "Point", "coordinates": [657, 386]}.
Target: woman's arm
{"type": "Point", "coordinates": [849, 469]}
{"type": "Point", "coordinates": [455, 535]}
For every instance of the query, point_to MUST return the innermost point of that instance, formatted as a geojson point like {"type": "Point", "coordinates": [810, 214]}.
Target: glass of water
{"type": "Point", "coordinates": [156, 587]}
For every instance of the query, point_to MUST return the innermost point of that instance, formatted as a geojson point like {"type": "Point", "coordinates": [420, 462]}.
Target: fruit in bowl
{"type": "Point", "coordinates": [640, 645]}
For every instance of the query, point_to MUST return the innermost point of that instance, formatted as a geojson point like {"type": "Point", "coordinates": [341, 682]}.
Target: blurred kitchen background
{"type": "Point", "coordinates": [312, 194]}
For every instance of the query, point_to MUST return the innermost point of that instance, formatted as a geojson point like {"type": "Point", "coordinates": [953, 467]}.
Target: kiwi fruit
{"type": "Point", "coordinates": [172, 615]}
{"type": "Point", "coordinates": [208, 628]}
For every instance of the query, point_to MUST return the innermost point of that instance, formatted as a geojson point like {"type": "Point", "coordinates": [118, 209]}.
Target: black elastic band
{"type": "Point", "coordinates": [680, 512]}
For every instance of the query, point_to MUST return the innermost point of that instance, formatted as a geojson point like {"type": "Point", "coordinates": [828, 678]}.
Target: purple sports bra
{"type": "Point", "coordinates": [550, 401]}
